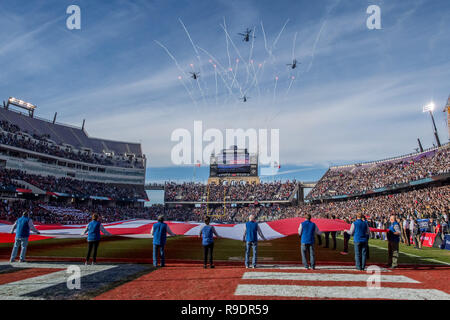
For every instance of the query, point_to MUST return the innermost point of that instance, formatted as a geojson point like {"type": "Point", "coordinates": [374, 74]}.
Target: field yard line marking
{"type": "Point", "coordinates": [434, 260]}
{"type": "Point", "coordinates": [242, 258]}
{"type": "Point", "coordinates": [339, 292]}
{"type": "Point", "coordinates": [386, 249]}
{"type": "Point", "coordinates": [414, 255]}
{"type": "Point", "coordinates": [56, 265]}
{"type": "Point", "coordinates": [323, 277]}
{"type": "Point", "coordinates": [294, 267]}
{"type": "Point", "coordinates": [18, 298]}
{"type": "Point", "coordinates": [26, 286]}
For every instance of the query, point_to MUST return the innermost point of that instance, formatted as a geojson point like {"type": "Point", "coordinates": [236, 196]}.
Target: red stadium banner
{"type": "Point", "coordinates": [427, 239]}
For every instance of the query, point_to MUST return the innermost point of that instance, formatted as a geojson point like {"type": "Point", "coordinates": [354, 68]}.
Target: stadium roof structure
{"type": "Point", "coordinates": [67, 134]}
{"type": "Point", "coordinates": [407, 157]}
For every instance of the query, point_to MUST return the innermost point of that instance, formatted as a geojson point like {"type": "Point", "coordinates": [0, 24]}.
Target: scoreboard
{"type": "Point", "coordinates": [234, 162]}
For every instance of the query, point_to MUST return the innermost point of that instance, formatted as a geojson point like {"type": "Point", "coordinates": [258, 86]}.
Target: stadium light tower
{"type": "Point", "coordinates": [429, 108]}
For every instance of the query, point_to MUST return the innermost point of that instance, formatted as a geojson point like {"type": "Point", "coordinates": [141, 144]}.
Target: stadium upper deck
{"type": "Point", "coordinates": [40, 147]}
{"type": "Point", "coordinates": [384, 175]}
{"type": "Point", "coordinates": [70, 136]}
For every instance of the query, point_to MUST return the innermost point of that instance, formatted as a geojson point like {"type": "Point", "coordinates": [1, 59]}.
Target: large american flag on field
{"type": "Point", "coordinates": [141, 228]}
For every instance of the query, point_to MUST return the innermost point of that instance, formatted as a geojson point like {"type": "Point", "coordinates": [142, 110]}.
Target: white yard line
{"type": "Point", "coordinates": [47, 265]}
{"type": "Point", "coordinates": [298, 267]}
{"type": "Point", "coordinates": [305, 276]}
{"type": "Point", "coordinates": [242, 259]}
{"type": "Point", "coordinates": [18, 289]}
{"type": "Point", "coordinates": [340, 292]}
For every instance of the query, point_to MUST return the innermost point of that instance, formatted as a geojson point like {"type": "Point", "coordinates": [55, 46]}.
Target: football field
{"type": "Point", "coordinates": [189, 249]}
{"type": "Point", "coordinates": [124, 271]}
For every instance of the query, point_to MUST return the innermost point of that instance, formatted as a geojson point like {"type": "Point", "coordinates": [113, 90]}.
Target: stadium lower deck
{"type": "Point", "coordinates": [125, 272]}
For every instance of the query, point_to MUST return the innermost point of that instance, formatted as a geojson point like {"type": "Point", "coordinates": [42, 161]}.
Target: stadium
{"type": "Point", "coordinates": [360, 227]}
{"type": "Point", "coordinates": [62, 176]}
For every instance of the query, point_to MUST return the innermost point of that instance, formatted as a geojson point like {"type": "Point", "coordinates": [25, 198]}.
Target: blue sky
{"type": "Point", "coordinates": [357, 94]}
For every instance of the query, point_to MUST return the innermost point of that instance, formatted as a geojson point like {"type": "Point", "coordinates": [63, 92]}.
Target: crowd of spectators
{"type": "Point", "coordinates": [12, 136]}
{"type": "Point", "coordinates": [199, 192]}
{"type": "Point", "coordinates": [72, 186]}
{"type": "Point", "coordinates": [68, 214]}
{"type": "Point", "coordinates": [7, 180]}
{"type": "Point", "coordinates": [359, 178]}
{"type": "Point", "coordinates": [430, 202]}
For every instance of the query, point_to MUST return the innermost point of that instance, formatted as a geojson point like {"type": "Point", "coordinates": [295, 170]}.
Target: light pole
{"type": "Point", "coordinates": [429, 108]}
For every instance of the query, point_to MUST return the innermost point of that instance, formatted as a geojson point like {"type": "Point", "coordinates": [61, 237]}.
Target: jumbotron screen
{"type": "Point", "coordinates": [233, 163]}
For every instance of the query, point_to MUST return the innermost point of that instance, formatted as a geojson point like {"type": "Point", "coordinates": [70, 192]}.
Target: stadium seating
{"type": "Point", "coordinates": [198, 192]}
{"type": "Point", "coordinates": [51, 138]}
{"type": "Point", "coordinates": [355, 179]}
{"type": "Point", "coordinates": [59, 213]}
{"type": "Point", "coordinates": [431, 202]}
{"type": "Point", "coordinates": [72, 186]}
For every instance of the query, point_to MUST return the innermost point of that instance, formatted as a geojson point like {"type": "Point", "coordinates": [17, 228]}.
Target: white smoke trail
{"type": "Point", "coordinates": [189, 36]}
{"type": "Point", "coordinates": [320, 33]}
{"type": "Point", "coordinates": [198, 58]}
{"type": "Point", "coordinates": [315, 45]}
{"type": "Point", "coordinates": [230, 91]}
{"type": "Point", "coordinates": [234, 46]}
{"type": "Point", "coordinates": [279, 35]}
{"type": "Point", "coordinates": [235, 79]}
{"type": "Point", "coordinates": [228, 49]}
{"type": "Point", "coordinates": [269, 50]}
{"type": "Point", "coordinates": [265, 38]}
{"type": "Point", "coordinates": [275, 89]}
{"type": "Point", "coordinates": [198, 85]}
{"type": "Point", "coordinates": [255, 81]}
{"type": "Point", "coordinates": [178, 67]}
{"type": "Point", "coordinates": [189, 93]}
{"type": "Point", "coordinates": [293, 58]}
{"type": "Point", "coordinates": [289, 87]}
{"type": "Point", "coordinates": [215, 77]}
{"type": "Point", "coordinates": [235, 71]}
{"type": "Point", "coordinates": [171, 56]}
{"type": "Point", "coordinates": [250, 61]}
{"type": "Point", "coordinates": [293, 46]}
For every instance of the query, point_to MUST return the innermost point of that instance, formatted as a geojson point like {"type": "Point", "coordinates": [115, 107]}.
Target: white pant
{"type": "Point", "coordinates": [23, 242]}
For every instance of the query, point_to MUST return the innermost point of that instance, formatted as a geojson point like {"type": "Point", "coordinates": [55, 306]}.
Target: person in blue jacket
{"type": "Point", "coordinates": [393, 237]}
{"type": "Point", "coordinates": [159, 232]}
{"type": "Point", "coordinates": [207, 233]}
{"type": "Point", "coordinates": [360, 232]}
{"type": "Point", "coordinates": [363, 217]}
{"type": "Point", "coordinates": [307, 232]}
{"type": "Point", "coordinates": [250, 238]}
{"type": "Point", "coordinates": [93, 230]}
{"type": "Point", "coordinates": [22, 226]}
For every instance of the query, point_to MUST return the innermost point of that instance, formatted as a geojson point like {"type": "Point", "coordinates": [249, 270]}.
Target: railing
{"type": "Point", "coordinates": [391, 159]}
{"type": "Point", "coordinates": [70, 126]}
{"type": "Point", "coordinates": [45, 120]}
{"type": "Point", "coordinates": [427, 180]}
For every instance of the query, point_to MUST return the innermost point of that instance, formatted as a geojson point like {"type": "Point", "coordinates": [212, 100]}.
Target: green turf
{"type": "Point", "coordinates": [189, 248]}
{"type": "Point", "coordinates": [424, 254]}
